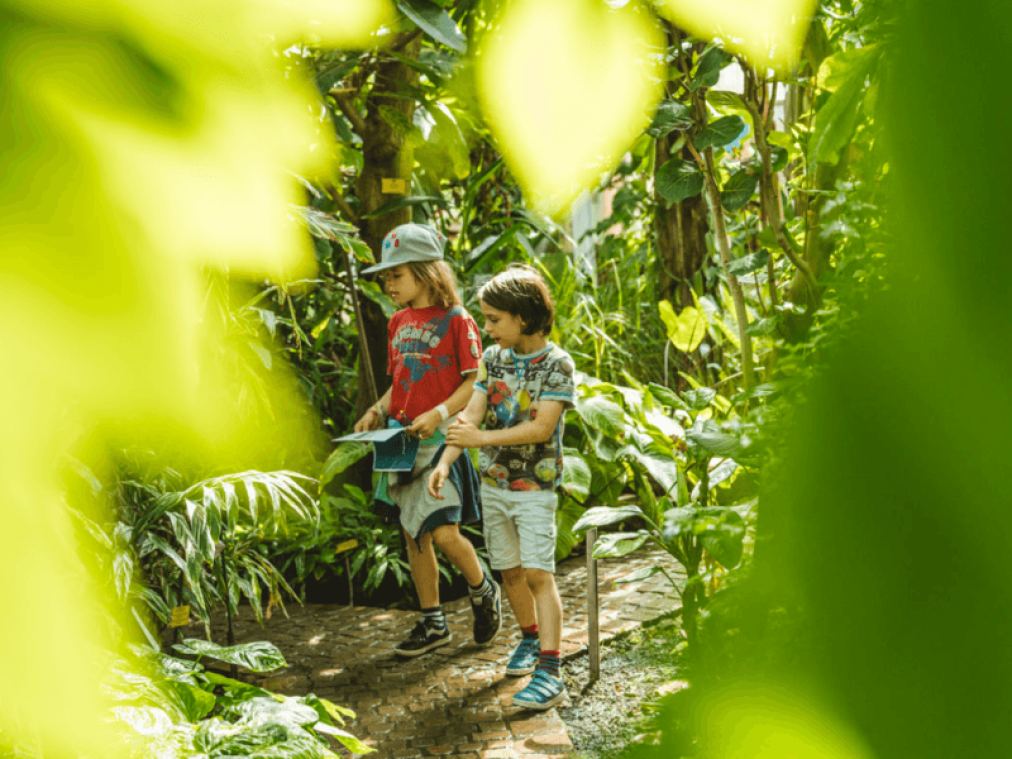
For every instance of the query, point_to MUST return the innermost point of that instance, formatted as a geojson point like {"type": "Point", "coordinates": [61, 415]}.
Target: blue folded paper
{"type": "Point", "coordinates": [394, 451]}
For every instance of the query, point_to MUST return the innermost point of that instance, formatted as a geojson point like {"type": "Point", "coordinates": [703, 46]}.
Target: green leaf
{"type": "Point", "coordinates": [194, 703]}
{"type": "Point", "coordinates": [670, 116]}
{"type": "Point", "coordinates": [334, 73]}
{"type": "Point", "coordinates": [666, 396]}
{"type": "Point", "coordinates": [602, 516]}
{"type": "Point", "coordinates": [724, 100]}
{"type": "Point", "coordinates": [720, 132]}
{"type": "Point", "coordinates": [748, 264]}
{"type": "Point", "coordinates": [349, 741]}
{"type": "Point", "coordinates": [343, 457]}
{"type": "Point", "coordinates": [148, 721]}
{"type": "Point", "coordinates": [686, 330]}
{"type": "Point", "coordinates": [720, 471]}
{"type": "Point", "coordinates": [615, 545]}
{"type": "Point", "coordinates": [258, 656]}
{"type": "Point", "coordinates": [328, 711]}
{"type": "Point", "coordinates": [662, 469]}
{"type": "Point", "coordinates": [435, 22]}
{"type": "Point", "coordinates": [576, 475]}
{"type": "Point", "coordinates": [699, 398]}
{"type": "Point", "coordinates": [837, 119]}
{"type": "Point", "coordinates": [373, 292]}
{"type": "Point", "coordinates": [270, 710]}
{"type": "Point", "coordinates": [722, 533]}
{"type": "Point", "coordinates": [709, 67]}
{"type": "Point", "coordinates": [639, 575]}
{"type": "Point", "coordinates": [262, 353]}
{"type": "Point", "coordinates": [739, 189]}
{"type": "Point", "coordinates": [707, 435]}
{"type": "Point", "coordinates": [677, 521]}
{"type": "Point", "coordinates": [566, 516]}
{"type": "Point", "coordinates": [778, 158]}
{"type": "Point", "coordinates": [677, 180]}
{"type": "Point", "coordinates": [764, 326]}
{"type": "Point", "coordinates": [603, 415]}
{"type": "Point", "coordinates": [404, 202]}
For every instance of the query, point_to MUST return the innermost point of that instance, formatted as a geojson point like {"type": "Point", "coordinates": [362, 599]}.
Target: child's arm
{"type": "Point", "coordinates": [465, 434]}
{"type": "Point", "coordinates": [426, 423]}
{"type": "Point", "coordinates": [373, 418]}
{"type": "Point", "coordinates": [472, 415]}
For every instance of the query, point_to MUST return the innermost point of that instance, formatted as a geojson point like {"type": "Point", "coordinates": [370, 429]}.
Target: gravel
{"type": "Point", "coordinates": [604, 717]}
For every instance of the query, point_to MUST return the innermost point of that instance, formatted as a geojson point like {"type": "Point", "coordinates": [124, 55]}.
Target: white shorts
{"type": "Point", "coordinates": [519, 527]}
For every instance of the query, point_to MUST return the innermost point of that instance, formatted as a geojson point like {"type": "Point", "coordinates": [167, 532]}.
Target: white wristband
{"type": "Point", "coordinates": [444, 412]}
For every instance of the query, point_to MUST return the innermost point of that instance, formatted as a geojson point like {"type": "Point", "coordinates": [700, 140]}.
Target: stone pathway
{"type": "Point", "coordinates": [456, 701]}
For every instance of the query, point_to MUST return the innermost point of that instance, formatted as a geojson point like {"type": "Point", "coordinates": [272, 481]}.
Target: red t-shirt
{"type": "Point", "coordinates": [429, 350]}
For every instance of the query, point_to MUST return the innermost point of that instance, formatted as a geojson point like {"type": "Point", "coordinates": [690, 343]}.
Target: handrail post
{"type": "Point", "coordinates": [593, 620]}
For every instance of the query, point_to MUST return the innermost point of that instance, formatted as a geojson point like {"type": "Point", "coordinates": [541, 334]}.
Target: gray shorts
{"type": "Point", "coordinates": [519, 527]}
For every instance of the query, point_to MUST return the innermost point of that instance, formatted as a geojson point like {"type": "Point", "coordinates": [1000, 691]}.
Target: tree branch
{"type": "Point", "coordinates": [357, 122]}
{"type": "Point", "coordinates": [404, 39]}
{"type": "Point", "coordinates": [346, 210]}
{"type": "Point", "coordinates": [770, 202]}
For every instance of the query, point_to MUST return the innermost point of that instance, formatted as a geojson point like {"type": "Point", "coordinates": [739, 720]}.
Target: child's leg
{"type": "Point", "coordinates": [520, 597]}
{"type": "Point", "coordinates": [459, 551]}
{"type": "Point", "coordinates": [486, 605]}
{"type": "Point", "coordinates": [431, 631]}
{"type": "Point", "coordinates": [424, 570]}
{"type": "Point", "coordinates": [549, 608]}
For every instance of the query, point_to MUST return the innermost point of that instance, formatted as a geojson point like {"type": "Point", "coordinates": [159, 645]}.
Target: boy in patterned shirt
{"type": "Point", "coordinates": [524, 386]}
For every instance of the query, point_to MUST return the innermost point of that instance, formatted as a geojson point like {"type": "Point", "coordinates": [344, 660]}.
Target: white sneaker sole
{"type": "Point", "coordinates": [539, 707]}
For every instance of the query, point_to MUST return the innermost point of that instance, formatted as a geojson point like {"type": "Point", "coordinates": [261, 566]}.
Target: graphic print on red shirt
{"type": "Point", "coordinates": [430, 348]}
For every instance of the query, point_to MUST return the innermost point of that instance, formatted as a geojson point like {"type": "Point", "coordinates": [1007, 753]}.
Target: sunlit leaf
{"type": "Point", "coordinates": [258, 656]}
{"type": "Point", "coordinates": [541, 71]}
{"type": "Point", "coordinates": [685, 330]}
{"type": "Point", "coordinates": [602, 516]}
{"type": "Point", "coordinates": [769, 33]}
{"type": "Point", "coordinates": [678, 180]}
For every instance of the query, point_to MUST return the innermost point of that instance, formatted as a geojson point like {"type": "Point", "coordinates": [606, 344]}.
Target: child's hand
{"type": "Point", "coordinates": [370, 421]}
{"type": "Point", "coordinates": [425, 425]}
{"type": "Point", "coordinates": [436, 480]}
{"type": "Point", "coordinates": [463, 434]}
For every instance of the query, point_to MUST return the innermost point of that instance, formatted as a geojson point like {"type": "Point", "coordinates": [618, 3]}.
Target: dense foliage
{"type": "Point", "coordinates": [731, 246]}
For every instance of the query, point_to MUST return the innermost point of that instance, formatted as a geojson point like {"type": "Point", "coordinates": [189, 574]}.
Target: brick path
{"type": "Point", "coordinates": [456, 701]}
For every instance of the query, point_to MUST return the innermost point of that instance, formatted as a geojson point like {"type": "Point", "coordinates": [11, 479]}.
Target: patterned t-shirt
{"type": "Point", "coordinates": [430, 348]}
{"type": "Point", "coordinates": [515, 386]}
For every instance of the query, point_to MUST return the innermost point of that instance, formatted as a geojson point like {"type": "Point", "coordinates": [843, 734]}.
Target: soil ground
{"type": "Point", "coordinates": [605, 716]}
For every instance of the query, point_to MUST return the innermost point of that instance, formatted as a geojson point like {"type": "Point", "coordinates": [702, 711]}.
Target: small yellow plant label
{"type": "Point", "coordinates": [180, 616]}
{"type": "Point", "coordinates": [394, 187]}
{"type": "Point", "coordinates": [346, 546]}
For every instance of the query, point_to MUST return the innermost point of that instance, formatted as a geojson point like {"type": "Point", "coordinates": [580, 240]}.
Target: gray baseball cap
{"type": "Point", "coordinates": [409, 242]}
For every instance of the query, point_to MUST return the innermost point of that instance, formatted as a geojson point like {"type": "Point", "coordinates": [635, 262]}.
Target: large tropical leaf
{"type": "Point", "coordinates": [435, 22]}
{"type": "Point", "coordinates": [602, 516]}
{"type": "Point", "coordinates": [614, 545]}
{"type": "Point", "coordinates": [258, 656]}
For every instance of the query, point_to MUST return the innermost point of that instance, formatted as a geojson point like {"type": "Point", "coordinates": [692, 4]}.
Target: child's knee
{"type": "Point", "coordinates": [514, 576]}
{"type": "Point", "coordinates": [445, 535]}
{"type": "Point", "coordinates": [540, 580]}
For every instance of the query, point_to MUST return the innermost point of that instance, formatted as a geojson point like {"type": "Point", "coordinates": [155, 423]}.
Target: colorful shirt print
{"type": "Point", "coordinates": [515, 386]}
{"type": "Point", "coordinates": [430, 348]}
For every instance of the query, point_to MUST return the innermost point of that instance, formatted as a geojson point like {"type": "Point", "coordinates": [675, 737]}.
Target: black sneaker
{"type": "Point", "coordinates": [421, 640]}
{"type": "Point", "coordinates": [487, 612]}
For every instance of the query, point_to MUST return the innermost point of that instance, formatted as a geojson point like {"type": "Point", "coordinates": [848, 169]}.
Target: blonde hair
{"type": "Point", "coordinates": [439, 278]}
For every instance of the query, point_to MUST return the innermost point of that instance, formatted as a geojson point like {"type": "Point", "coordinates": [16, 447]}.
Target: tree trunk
{"type": "Point", "coordinates": [386, 154]}
{"type": "Point", "coordinates": [681, 237]}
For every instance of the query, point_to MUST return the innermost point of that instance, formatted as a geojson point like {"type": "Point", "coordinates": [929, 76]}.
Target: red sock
{"type": "Point", "coordinates": [551, 661]}
{"type": "Point", "coordinates": [530, 632]}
